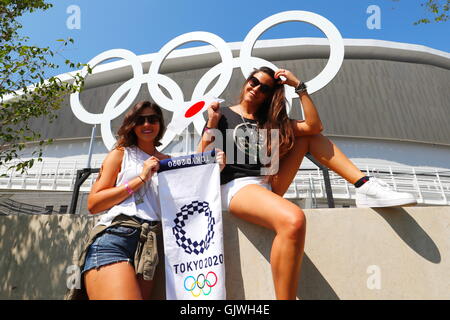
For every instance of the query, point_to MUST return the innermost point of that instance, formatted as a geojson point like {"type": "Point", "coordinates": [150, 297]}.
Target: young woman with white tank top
{"type": "Point", "coordinates": [126, 186]}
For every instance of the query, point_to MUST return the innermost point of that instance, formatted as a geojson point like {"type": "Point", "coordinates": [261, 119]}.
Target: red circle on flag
{"type": "Point", "coordinates": [194, 109]}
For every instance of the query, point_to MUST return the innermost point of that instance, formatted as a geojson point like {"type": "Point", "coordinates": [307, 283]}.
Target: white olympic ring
{"type": "Point", "coordinates": [199, 91]}
{"type": "Point", "coordinates": [177, 104]}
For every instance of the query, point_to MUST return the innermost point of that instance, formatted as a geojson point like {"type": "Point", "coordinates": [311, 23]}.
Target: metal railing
{"type": "Point", "coordinates": [10, 207]}
{"type": "Point", "coordinates": [46, 176]}
{"type": "Point", "coordinates": [429, 185]}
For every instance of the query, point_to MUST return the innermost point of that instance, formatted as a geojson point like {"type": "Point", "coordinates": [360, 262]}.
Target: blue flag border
{"type": "Point", "coordinates": [192, 160]}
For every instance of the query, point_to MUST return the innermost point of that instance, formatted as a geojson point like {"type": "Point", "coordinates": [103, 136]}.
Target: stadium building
{"type": "Point", "coordinates": [387, 109]}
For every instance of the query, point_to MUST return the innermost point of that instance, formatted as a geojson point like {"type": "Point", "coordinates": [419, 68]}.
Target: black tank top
{"type": "Point", "coordinates": [241, 145]}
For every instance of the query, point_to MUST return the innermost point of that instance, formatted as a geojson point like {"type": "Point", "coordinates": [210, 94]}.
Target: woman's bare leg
{"type": "Point", "coordinates": [115, 281]}
{"type": "Point", "coordinates": [146, 287]}
{"type": "Point", "coordinates": [328, 154]}
{"type": "Point", "coordinates": [324, 150]}
{"type": "Point", "coordinates": [260, 206]}
{"type": "Point", "coordinates": [289, 165]}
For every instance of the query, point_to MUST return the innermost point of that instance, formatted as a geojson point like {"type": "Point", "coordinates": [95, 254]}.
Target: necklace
{"type": "Point", "coordinates": [139, 198]}
{"type": "Point", "coordinates": [243, 119]}
{"type": "Point", "coordinates": [250, 146]}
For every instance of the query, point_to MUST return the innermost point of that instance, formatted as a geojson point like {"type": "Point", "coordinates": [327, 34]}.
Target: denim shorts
{"type": "Point", "coordinates": [115, 244]}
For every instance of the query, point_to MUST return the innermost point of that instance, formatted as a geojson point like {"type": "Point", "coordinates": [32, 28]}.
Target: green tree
{"type": "Point", "coordinates": [26, 93]}
{"type": "Point", "coordinates": [438, 8]}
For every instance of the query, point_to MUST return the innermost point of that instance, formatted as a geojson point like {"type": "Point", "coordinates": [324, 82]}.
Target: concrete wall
{"type": "Point", "coordinates": [392, 253]}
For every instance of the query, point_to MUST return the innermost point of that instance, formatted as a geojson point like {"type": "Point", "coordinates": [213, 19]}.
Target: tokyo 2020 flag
{"type": "Point", "coordinates": [191, 213]}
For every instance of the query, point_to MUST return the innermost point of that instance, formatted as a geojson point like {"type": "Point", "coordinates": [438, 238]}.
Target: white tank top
{"type": "Point", "coordinates": [149, 208]}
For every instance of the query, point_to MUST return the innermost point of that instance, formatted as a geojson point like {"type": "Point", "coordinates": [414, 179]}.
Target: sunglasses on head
{"type": "Point", "coordinates": [152, 119]}
{"type": "Point", "coordinates": [254, 82]}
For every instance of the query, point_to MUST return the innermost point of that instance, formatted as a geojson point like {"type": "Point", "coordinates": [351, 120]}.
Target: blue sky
{"type": "Point", "coordinates": [144, 26]}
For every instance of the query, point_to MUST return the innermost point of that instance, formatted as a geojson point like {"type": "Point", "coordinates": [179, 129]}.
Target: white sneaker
{"type": "Point", "coordinates": [377, 193]}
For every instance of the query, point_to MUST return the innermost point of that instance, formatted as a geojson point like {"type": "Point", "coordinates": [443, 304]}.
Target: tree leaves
{"type": "Point", "coordinates": [439, 8]}
{"type": "Point", "coordinates": [25, 94]}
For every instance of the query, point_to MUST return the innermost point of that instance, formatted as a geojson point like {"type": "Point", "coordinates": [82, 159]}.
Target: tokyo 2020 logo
{"type": "Point", "coordinates": [185, 242]}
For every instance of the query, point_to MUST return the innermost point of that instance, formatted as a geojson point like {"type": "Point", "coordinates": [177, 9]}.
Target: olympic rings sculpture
{"type": "Point", "coordinates": [205, 283]}
{"type": "Point", "coordinates": [191, 110]}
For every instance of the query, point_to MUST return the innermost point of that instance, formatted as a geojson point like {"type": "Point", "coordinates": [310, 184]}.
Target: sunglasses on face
{"type": "Point", "coordinates": [152, 119]}
{"type": "Point", "coordinates": [254, 82]}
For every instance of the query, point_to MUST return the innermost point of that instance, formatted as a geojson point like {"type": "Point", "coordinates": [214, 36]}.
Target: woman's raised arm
{"type": "Point", "coordinates": [104, 193]}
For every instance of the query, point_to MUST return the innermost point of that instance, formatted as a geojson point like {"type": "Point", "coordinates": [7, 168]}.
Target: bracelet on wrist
{"type": "Point", "coordinates": [205, 129]}
{"type": "Point", "coordinates": [301, 88]}
{"type": "Point", "coordinates": [127, 187]}
{"type": "Point", "coordinates": [141, 179]}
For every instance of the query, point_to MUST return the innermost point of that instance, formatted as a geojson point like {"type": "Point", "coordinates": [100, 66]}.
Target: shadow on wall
{"type": "Point", "coordinates": [39, 254]}
{"type": "Point", "coordinates": [411, 232]}
{"type": "Point", "coordinates": [36, 254]}
{"type": "Point", "coordinates": [312, 286]}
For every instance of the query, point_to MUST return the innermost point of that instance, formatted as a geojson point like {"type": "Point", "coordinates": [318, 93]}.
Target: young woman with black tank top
{"type": "Point", "coordinates": [256, 195]}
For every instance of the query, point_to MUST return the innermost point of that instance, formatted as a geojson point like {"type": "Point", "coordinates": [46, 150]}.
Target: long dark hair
{"type": "Point", "coordinates": [272, 113]}
{"type": "Point", "coordinates": [127, 137]}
